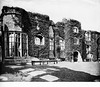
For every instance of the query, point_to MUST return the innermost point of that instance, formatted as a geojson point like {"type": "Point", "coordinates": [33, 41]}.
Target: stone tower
{"type": "Point", "coordinates": [73, 40]}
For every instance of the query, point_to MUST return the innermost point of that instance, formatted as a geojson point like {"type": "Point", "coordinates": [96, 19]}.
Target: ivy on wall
{"type": "Point", "coordinates": [43, 22]}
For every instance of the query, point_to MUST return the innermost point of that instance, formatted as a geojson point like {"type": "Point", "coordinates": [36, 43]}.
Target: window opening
{"type": "Point", "coordinates": [76, 30]}
{"type": "Point", "coordinates": [16, 44]}
{"type": "Point", "coordinates": [88, 49]}
{"type": "Point", "coordinates": [39, 40]}
{"type": "Point", "coordinates": [51, 44]}
{"type": "Point", "coordinates": [76, 41]}
{"type": "Point", "coordinates": [62, 44]}
{"type": "Point", "coordinates": [88, 36]}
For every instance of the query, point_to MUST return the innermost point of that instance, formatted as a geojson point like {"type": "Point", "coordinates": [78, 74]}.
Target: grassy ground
{"type": "Point", "coordinates": [64, 74]}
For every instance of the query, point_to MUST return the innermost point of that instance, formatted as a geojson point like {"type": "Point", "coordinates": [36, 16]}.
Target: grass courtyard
{"type": "Point", "coordinates": [61, 72]}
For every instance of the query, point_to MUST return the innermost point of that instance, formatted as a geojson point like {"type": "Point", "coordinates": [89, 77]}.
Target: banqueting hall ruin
{"type": "Point", "coordinates": [24, 35]}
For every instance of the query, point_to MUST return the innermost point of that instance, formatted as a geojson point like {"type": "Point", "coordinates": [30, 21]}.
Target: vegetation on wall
{"type": "Point", "coordinates": [42, 21]}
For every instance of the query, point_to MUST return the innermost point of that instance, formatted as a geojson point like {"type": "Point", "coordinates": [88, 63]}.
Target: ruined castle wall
{"type": "Point", "coordinates": [94, 45]}
{"type": "Point", "coordinates": [70, 36]}
{"type": "Point", "coordinates": [41, 22]}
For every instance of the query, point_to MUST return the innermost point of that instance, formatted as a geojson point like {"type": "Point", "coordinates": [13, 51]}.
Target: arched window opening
{"type": "Point", "coordinates": [12, 22]}
{"type": "Point", "coordinates": [51, 33]}
{"type": "Point", "coordinates": [75, 30]}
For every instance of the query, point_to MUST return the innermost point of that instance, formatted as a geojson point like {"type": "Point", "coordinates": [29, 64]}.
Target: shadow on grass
{"type": "Point", "coordinates": [67, 75]}
{"type": "Point", "coordinates": [5, 69]}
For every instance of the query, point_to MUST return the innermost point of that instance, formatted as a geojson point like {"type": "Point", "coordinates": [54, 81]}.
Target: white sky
{"type": "Point", "coordinates": [85, 11]}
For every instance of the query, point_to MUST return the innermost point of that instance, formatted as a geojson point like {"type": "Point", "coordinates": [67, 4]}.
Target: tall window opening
{"type": "Point", "coordinates": [16, 44]}
{"type": "Point", "coordinates": [88, 49]}
{"type": "Point", "coordinates": [88, 36]}
{"type": "Point", "coordinates": [51, 44]}
{"type": "Point", "coordinates": [62, 44]}
{"type": "Point", "coordinates": [15, 41]}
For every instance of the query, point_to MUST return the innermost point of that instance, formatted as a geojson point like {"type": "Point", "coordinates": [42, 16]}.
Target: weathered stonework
{"type": "Point", "coordinates": [98, 47]}
{"type": "Point", "coordinates": [14, 32]}
{"type": "Point", "coordinates": [42, 22]}
{"type": "Point", "coordinates": [67, 38]}
{"type": "Point", "coordinates": [60, 40]}
{"type": "Point", "coordinates": [93, 43]}
{"type": "Point", "coordinates": [65, 31]}
{"type": "Point", "coordinates": [70, 36]}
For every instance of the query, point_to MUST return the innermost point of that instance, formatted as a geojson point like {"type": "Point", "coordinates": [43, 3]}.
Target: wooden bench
{"type": "Point", "coordinates": [43, 61]}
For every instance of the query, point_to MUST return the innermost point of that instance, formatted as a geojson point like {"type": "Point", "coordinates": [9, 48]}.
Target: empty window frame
{"type": "Point", "coordinates": [88, 36]}
{"type": "Point", "coordinates": [62, 44]}
{"type": "Point", "coordinates": [39, 40]}
{"type": "Point", "coordinates": [12, 22]}
{"type": "Point", "coordinates": [16, 44]}
{"type": "Point", "coordinates": [51, 44]}
{"type": "Point", "coordinates": [75, 30]}
{"type": "Point", "coordinates": [88, 49]}
{"type": "Point", "coordinates": [51, 33]}
{"type": "Point", "coordinates": [76, 41]}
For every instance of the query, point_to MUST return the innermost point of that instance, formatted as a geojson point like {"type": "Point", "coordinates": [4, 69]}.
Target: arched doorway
{"type": "Point", "coordinates": [77, 56]}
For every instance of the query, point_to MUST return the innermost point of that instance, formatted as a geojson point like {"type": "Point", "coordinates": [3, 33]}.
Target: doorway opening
{"type": "Point", "coordinates": [77, 56]}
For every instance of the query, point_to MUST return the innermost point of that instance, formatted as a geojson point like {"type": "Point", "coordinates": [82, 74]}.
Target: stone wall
{"type": "Point", "coordinates": [93, 44]}
{"type": "Point", "coordinates": [70, 36]}
{"type": "Point", "coordinates": [39, 26]}
{"type": "Point", "coordinates": [98, 47]}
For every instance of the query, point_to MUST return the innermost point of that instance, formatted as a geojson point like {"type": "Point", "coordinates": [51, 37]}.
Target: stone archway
{"type": "Point", "coordinates": [77, 56]}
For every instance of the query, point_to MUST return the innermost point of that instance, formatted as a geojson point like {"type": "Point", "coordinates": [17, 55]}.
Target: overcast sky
{"type": "Point", "coordinates": [85, 11]}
